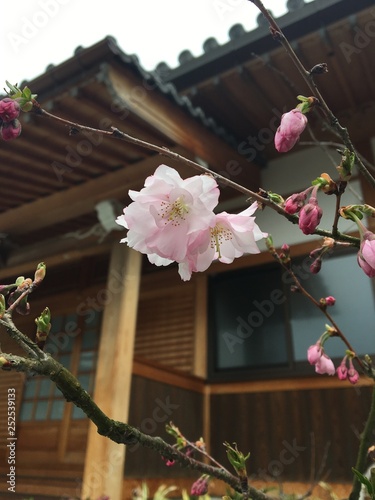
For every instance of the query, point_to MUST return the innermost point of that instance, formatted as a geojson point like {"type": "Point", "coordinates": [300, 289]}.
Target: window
{"type": "Point", "coordinates": [73, 341]}
{"type": "Point", "coordinates": [259, 328]}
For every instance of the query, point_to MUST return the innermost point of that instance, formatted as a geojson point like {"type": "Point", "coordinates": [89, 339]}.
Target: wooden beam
{"type": "Point", "coordinates": [104, 463]}
{"type": "Point", "coordinates": [176, 123]}
{"type": "Point", "coordinates": [78, 200]}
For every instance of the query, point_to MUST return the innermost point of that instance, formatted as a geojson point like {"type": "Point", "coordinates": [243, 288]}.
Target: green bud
{"type": "Point", "coordinates": [4, 363]}
{"type": "Point", "coordinates": [352, 212]}
{"type": "Point", "coordinates": [43, 326]}
{"type": "Point", "coordinates": [24, 97]}
{"type": "Point", "coordinates": [237, 459]}
{"type": "Point", "coordinates": [368, 210]}
{"type": "Point", "coordinates": [40, 272]}
{"type": "Point", "coordinates": [276, 198]}
{"type": "Point", "coordinates": [346, 166]}
{"type": "Point", "coordinates": [269, 242]}
{"type": "Point", "coordinates": [306, 103]}
{"type": "Point", "coordinates": [2, 305]}
{"type": "Point", "coordinates": [20, 280]}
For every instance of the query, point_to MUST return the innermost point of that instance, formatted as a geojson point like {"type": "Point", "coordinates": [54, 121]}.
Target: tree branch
{"type": "Point", "coordinates": [118, 432]}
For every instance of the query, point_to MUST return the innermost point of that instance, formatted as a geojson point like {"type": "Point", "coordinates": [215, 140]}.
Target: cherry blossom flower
{"type": "Point", "coordinates": [172, 220]}
{"type": "Point", "coordinates": [323, 363]}
{"type": "Point", "coordinates": [169, 213]}
{"type": "Point", "coordinates": [232, 236]}
{"type": "Point", "coordinates": [313, 353]}
{"type": "Point", "coordinates": [291, 127]}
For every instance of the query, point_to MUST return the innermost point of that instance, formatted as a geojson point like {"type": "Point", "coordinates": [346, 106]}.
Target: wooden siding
{"type": "Point", "coordinates": [284, 430]}
{"type": "Point", "coordinates": [153, 405]}
{"type": "Point", "coordinates": [166, 321]}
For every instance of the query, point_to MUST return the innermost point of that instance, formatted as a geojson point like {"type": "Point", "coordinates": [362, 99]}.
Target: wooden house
{"type": "Point", "coordinates": [223, 356]}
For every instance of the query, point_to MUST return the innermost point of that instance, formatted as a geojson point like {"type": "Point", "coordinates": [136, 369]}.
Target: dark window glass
{"type": "Point", "coordinates": [258, 327]}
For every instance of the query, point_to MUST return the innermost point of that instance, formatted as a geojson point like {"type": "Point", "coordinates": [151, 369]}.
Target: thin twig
{"type": "Point", "coordinates": [308, 78]}
{"type": "Point", "coordinates": [118, 134]}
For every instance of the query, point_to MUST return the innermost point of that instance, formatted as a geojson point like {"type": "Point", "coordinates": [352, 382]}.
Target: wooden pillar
{"type": "Point", "coordinates": [104, 462]}
{"type": "Point", "coordinates": [200, 327]}
{"type": "Point", "coordinates": [200, 349]}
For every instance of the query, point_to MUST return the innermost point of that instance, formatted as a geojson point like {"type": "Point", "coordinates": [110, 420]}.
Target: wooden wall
{"type": "Point", "coordinates": [290, 433]}
{"type": "Point", "coordinates": [153, 405]}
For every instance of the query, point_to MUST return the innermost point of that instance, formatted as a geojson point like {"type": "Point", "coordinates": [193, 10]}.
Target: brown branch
{"type": "Point", "coordinates": [118, 134]}
{"type": "Point", "coordinates": [118, 432]}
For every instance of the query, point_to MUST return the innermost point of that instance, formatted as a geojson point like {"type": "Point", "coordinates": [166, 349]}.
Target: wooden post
{"type": "Point", "coordinates": [104, 462]}
{"type": "Point", "coordinates": [200, 330]}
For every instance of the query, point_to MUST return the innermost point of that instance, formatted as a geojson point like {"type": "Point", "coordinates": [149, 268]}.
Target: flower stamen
{"type": "Point", "coordinates": [174, 212]}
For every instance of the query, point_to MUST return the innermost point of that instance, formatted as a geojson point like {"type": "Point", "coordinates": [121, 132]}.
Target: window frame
{"type": "Point", "coordinates": [292, 368]}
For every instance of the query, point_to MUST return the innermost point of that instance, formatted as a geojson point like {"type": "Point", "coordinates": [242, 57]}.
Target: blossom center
{"type": "Point", "coordinates": [219, 235]}
{"type": "Point", "coordinates": [174, 212]}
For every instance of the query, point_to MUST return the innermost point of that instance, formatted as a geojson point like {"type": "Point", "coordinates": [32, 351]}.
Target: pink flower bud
{"type": "Point", "coordinates": [316, 266]}
{"type": "Point", "coordinates": [168, 462]}
{"type": "Point", "coordinates": [295, 202]}
{"type": "Point", "coordinates": [291, 127]}
{"type": "Point", "coordinates": [325, 365]}
{"type": "Point", "coordinates": [310, 216]}
{"type": "Point", "coordinates": [366, 254]}
{"type": "Point", "coordinates": [9, 109]}
{"type": "Point", "coordinates": [10, 130]}
{"type": "Point", "coordinates": [330, 301]}
{"type": "Point", "coordinates": [314, 352]}
{"type": "Point", "coordinates": [342, 371]}
{"type": "Point", "coordinates": [353, 375]}
{"type": "Point", "coordinates": [200, 487]}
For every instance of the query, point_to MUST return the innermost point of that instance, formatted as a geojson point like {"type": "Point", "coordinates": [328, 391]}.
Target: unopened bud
{"type": "Point", "coordinates": [4, 363]}
{"type": "Point", "coordinates": [276, 198]}
{"type": "Point", "coordinates": [330, 301]}
{"type": "Point", "coordinates": [346, 166]}
{"type": "Point", "coordinates": [43, 326]}
{"type": "Point", "coordinates": [10, 130]}
{"type": "Point", "coordinates": [2, 305]}
{"type": "Point", "coordinates": [326, 184]}
{"type": "Point", "coordinates": [316, 266]}
{"type": "Point", "coordinates": [40, 272]}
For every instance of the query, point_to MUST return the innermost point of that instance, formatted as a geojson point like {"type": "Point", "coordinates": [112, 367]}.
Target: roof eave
{"type": "Point", "coordinates": [312, 17]}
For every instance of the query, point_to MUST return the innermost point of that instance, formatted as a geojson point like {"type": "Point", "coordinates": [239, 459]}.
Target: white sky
{"type": "Point", "coordinates": [35, 33]}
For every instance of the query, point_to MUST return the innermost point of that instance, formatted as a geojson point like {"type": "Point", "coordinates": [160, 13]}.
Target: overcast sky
{"type": "Point", "coordinates": [36, 33]}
